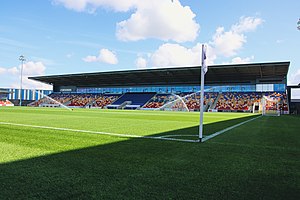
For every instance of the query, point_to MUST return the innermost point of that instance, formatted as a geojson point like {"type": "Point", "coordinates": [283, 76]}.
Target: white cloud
{"type": "Point", "coordinates": [246, 24]}
{"type": "Point", "coordinates": [141, 63]}
{"type": "Point", "coordinates": [105, 56]}
{"type": "Point", "coordinates": [77, 5]}
{"type": "Point", "coordinates": [92, 5]}
{"type": "Point", "coordinates": [12, 76]}
{"type": "Point", "coordinates": [223, 44]}
{"type": "Point", "coordinates": [294, 78]}
{"type": "Point", "coordinates": [227, 43]}
{"type": "Point", "coordinates": [30, 84]}
{"type": "Point", "coordinates": [2, 70]}
{"type": "Point", "coordinates": [13, 71]}
{"type": "Point", "coordinates": [10, 71]}
{"type": "Point", "coordinates": [169, 20]}
{"type": "Point", "coordinates": [175, 55]}
{"type": "Point", "coordinates": [178, 55]}
{"type": "Point", "coordinates": [45, 61]}
{"type": "Point", "coordinates": [34, 68]}
{"type": "Point", "coordinates": [108, 56]}
{"type": "Point", "coordinates": [90, 59]}
{"type": "Point", "coordinates": [159, 19]}
{"type": "Point", "coordinates": [210, 54]}
{"type": "Point", "coordinates": [239, 60]}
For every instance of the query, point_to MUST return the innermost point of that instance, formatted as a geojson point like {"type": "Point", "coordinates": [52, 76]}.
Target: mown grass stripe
{"type": "Point", "coordinates": [97, 132]}
{"type": "Point", "coordinates": [227, 129]}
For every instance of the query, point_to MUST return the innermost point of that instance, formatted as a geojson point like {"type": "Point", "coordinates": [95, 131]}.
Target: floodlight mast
{"type": "Point", "coordinates": [22, 59]}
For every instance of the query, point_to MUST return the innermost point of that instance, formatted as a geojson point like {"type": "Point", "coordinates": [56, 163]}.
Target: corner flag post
{"type": "Point", "coordinates": [203, 71]}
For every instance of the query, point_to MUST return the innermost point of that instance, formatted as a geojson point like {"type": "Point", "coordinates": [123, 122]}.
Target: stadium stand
{"type": "Point", "coordinates": [105, 100]}
{"type": "Point", "coordinates": [76, 100]}
{"type": "Point", "coordinates": [237, 101]}
{"type": "Point", "coordinates": [221, 102]}
{"type": "Point", "coordinates": [53, 99]}
{"type": "Point", "coordinates": [158, 101]}
{"type": "Point", "coordinates": [6, 103]}
{"type": "Point", "coordinates": [192, 100]}
{"type": "Point", "coordinates": [281, 97]}
{"type": "Point", "coordinates": [82, 100]}
{"type": "Point", "coordinates": [232, 87]}
{"type": "Point", "coordinates": [233, 101]}
{"type": "Point", "coordinates": [133, 100]}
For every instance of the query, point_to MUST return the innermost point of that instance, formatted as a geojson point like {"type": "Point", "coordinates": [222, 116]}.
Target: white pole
{"type": "Point", "coordinates": [22, 59]}
{"type": "Point", "coordinates": [201, 96]}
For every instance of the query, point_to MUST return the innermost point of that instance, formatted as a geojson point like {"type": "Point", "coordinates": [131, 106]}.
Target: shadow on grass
{"type": "Point", "coordinates": [150, 169]}
{"type": "Point", "coordinates": [209, 129]}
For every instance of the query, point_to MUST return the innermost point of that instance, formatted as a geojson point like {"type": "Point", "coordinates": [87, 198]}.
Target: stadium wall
{"type": "Point", "coordinates": [26, 94]}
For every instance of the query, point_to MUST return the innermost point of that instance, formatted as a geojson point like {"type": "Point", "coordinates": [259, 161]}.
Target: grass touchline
{"type": "Point", "coordinates": [100, 132]}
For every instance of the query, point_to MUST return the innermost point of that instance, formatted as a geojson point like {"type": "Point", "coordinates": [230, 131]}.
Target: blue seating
{"type": "Point", "coordinates": [136, 99]}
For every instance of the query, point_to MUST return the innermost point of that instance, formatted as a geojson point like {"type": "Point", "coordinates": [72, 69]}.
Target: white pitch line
{"type": "Point", "coordinates": [166, 136]}
{"type": "Point", "coordinates": [97, 132]}
{"type": "Point", "coordinates": [227, 129]}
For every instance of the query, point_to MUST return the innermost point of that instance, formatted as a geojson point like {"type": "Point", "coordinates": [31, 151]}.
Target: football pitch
{"type": "Point", "coordinates": [50, 153]}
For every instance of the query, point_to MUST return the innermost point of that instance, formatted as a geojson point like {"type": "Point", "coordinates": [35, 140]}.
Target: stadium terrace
{"type": "Point", "coordinates": [237, 87]}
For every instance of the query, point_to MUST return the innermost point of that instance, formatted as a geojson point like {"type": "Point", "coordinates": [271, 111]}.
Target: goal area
{"type": "Point", "coordinates": [270, 106]}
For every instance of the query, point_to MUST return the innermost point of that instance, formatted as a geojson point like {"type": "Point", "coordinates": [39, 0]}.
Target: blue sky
{"type": "Point", "coordinates": [72, 36]}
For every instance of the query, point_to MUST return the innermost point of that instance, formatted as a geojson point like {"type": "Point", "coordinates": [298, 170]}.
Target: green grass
{"type": "Point", "coordinates": [258, 160]}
